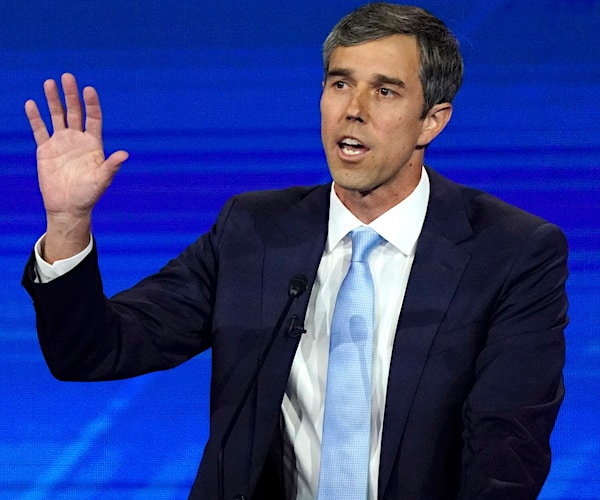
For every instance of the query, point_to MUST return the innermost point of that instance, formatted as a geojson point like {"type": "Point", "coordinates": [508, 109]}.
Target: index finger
{"type": "Point", "coordinates": [93, 112]}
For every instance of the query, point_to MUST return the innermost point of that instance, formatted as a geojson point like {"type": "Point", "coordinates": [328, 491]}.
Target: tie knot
{"type": "Point", "coordinates": [364, 240]}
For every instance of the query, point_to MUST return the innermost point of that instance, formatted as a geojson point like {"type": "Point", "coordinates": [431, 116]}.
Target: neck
{"type": "Point", "coordinates": [369, 205]}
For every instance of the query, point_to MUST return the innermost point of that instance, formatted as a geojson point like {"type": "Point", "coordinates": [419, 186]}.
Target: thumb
{"type": "Point", "coordinates": [115, 160]}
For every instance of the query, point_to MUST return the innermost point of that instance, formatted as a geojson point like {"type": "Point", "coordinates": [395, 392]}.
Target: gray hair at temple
{"type": "Point", "coordinates": [441, 62]}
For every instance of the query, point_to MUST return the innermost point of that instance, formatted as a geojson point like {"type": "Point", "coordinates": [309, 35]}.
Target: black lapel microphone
{"type": "Point", "coordinates": [296, 287]}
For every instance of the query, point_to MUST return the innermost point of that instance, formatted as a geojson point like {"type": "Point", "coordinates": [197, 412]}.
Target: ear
{"type": "Point", "coordinates": [434, 122]}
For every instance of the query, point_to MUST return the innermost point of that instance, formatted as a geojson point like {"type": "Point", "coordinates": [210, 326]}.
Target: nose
{"type": "Point", "coordinates": [357, 108]}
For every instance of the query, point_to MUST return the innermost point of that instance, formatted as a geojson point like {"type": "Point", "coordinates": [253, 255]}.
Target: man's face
{"type": "Point", "coordinates": [371, 124]}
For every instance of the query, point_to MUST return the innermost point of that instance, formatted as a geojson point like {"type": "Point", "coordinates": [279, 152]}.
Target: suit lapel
{"type": "Point", "coordinates": [295, 244]}
{"type": "Point", "coordinates": [436, 272]}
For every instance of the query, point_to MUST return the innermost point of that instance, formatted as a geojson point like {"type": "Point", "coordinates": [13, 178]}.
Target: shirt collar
{"type": "Point", "coordinates": [400, 225]}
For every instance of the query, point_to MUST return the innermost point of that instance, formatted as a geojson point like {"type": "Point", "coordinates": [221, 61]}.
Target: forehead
{"type": "Point", "coordinates": [394, 56]}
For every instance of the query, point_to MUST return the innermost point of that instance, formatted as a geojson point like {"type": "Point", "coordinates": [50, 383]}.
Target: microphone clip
{"type": "Point", "coordinates": [296, 327]}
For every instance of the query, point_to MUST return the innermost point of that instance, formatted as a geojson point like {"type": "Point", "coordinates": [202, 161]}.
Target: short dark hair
{"type": "Point", "coordinates": [441, 62]}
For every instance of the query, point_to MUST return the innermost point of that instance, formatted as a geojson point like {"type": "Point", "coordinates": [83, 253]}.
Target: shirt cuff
{"type": "Point", "coordinates": [47, 272]}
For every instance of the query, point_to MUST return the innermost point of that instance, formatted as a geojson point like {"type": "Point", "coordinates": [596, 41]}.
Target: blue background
{"type": "Point", "coordinates": [214, 98]}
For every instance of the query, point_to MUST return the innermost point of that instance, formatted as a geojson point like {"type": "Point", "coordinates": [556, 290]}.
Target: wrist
{"type": "Point", "coordinates": [65, 237]}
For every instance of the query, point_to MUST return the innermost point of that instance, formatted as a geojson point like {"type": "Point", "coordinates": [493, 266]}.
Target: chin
{"type": "Point", "coordinates": [356, 186]}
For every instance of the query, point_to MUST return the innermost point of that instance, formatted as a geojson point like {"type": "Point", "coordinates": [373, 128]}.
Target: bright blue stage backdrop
{"type": "Point", "coordinates": [214, 98]}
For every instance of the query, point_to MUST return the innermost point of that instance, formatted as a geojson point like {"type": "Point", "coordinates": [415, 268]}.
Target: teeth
{"type": "Point", "coordinates": [351, 146]}
{"type": "Point", "coordinates": [351, 151]}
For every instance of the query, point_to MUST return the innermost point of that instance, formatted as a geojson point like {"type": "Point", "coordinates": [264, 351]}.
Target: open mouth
{"type": "Point", "coordinates": [351, 147]}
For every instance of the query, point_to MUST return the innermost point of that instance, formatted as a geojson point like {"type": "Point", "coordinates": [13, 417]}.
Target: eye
{"type": "Point", "coordinates": [340, 84]}
{"type": "Point", "coordinates": [385, 92]}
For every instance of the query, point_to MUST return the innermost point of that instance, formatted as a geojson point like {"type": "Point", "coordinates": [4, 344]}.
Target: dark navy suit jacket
{"type": "Point", "coordinates": [475, 380]}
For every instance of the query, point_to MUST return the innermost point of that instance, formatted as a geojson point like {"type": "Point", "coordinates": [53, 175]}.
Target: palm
{"type": "Point", "coordinates": [69, 171]}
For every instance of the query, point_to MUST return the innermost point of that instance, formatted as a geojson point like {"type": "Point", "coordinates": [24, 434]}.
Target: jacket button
{"type": "Point", "coordinates": [239, 497]}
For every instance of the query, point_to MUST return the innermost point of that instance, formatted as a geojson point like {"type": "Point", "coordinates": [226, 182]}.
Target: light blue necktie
{"type": "Point", "coordinates": [346, 442]}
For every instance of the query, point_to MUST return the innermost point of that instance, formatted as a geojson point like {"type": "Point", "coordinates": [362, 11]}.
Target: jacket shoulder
{"type": "Point", "coordinates": [278, 199]}
{"type": "Point", "coordinates": [483, 212]}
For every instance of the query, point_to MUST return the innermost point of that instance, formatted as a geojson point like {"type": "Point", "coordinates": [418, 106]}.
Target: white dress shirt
{"type": "Point", "coordinates": [304, 401]}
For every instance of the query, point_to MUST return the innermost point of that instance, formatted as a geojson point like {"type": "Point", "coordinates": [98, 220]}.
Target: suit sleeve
{"type": "Point", "coordinates": [159, 323]}
{"type": "Point", "coordinates": [511, 409]}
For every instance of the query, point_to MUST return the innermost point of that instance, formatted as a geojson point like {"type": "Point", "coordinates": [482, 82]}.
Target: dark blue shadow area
{"type": "Point", "coordinates": [215, 98]}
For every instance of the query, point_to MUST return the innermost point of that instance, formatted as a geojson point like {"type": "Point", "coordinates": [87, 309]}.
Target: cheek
{"type": "Point", "coordinates": [326, 104]}
{"type": "Point", "coordinates": [400, 134]}
{"type": "Point", "coordinates": [332, 107]}
{"type": "Point", "coordinates": [326, 132]}
{"type": "Point", "coordinates": [328, 126]}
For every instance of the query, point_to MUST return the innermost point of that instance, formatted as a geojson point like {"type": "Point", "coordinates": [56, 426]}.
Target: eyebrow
{"type": "Point", "coordinates": [389, 80]}
{"type": "Point", "coordinates": [377, 79]}
{"type": "Point", "coordinates": [345, 73]}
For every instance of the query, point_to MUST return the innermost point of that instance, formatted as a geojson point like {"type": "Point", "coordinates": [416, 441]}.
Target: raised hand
{"type": "Point", "coordinates": [73, 172]}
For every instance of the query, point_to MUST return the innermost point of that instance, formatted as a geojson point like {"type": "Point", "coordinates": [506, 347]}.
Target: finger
{"type": "Point", "coordinates": [93, 112]}
{"type": "Point", "coordinates": [113, 163]}
{"type": "Point", "coordinates": [38, 127]}
{"type": "Point", "coordinates": [57, 114]}
{"type": "Point", "coordinates": [74, 110]}
{"type": "Point", "coordinates": [115, 160]}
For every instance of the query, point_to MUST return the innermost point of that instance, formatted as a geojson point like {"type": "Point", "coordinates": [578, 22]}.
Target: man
{"type": "Point", "coordinates": [466, 347]}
